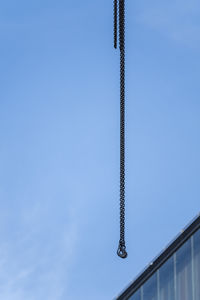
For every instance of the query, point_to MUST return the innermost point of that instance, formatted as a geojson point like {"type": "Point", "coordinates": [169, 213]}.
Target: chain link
{"type": "Point", "coordinates": [121, 3]}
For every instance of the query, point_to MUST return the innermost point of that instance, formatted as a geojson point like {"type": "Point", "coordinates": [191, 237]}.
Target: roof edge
{"type": "Point", "coordinates": [160, 259]}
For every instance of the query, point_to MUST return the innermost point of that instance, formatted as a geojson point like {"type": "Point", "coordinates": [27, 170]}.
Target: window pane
{"type": "Point", "coordinates": [136, 296]}
{"type": "Point", "coordinates": [184, 272]}
{"type": "Point", "coordinates": [166, 277]}
{"type": "Point", "coordinates": [150, 291]}
{"type": "Point", "coordinates": [197, 265]}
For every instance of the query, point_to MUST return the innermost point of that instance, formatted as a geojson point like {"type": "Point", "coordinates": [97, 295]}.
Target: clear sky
{"type": "Point", "coordinates": [59, 142]}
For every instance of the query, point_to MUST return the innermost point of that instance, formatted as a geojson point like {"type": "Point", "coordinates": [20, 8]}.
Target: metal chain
{"type": "Point", "coordinates": [115, 24]}
{"type": "Point", "coordinates": [121, 251]}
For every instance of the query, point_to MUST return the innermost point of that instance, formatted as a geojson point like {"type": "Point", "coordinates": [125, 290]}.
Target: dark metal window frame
{"type": "Point", "coordinates": [185, 234]}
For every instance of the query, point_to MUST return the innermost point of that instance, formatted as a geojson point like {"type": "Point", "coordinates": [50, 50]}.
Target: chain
{"type": "Point", "coordinates": [115, 24]}
{"type": "Point", "coordinates": [121, 248]}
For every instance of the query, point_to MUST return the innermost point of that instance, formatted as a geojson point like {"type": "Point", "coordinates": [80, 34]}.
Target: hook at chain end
{"type": "Point", "coordinates": [121, 251]}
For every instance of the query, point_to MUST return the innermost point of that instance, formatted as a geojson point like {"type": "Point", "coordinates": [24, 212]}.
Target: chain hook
{"type": "Point", "coordinates": [121, 251]}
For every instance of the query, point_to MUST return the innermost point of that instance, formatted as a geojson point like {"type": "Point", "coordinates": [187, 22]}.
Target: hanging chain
{"type": "Point", "coordinates": [115, 24]}
{"type": "Point", "coordinates": [121, 3]}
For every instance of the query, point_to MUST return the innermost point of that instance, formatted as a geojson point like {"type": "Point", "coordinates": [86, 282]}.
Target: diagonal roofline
{"type": "Point", "coordinates": [160, 259]}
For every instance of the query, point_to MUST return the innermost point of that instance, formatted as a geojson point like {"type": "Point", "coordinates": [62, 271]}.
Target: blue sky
{"type": "Point", "coordinates": [59, 150]}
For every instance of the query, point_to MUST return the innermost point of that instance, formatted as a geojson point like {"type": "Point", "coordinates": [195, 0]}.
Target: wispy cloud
{"type": "Point", "coordinates": [33, 268]}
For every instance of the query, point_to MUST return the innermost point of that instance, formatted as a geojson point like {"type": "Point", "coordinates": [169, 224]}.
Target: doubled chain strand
{"type": "Point", "coordinates": [122, 247]}
{"type": "Point", "coordinates": [115, 24]}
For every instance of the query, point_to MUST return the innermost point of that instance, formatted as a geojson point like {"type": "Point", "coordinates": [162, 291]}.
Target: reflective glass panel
{"type": "Point", "coordinates": [150, 288]}
{"type": "Point", "coordinates": [197, 265]}
{"type": "Point", "coordinates": [166, 280]}
{"type": "Point", "coordinates": [184, 272]}
{"type": "Point", "coordinates": [136, 296]}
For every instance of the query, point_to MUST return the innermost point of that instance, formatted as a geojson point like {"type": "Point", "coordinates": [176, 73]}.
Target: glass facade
{"type": "Point", "coordinates": [166, 280]}
{"type": "Point", "coordinates": [178, 278]}
{"type": "Point", "coordinates": [196, 264]}
{"type": "Point", "coordinates": [183, 264]}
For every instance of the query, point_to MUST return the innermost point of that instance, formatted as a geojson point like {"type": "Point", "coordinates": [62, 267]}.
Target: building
{"type": "Point", "coordinates": [174, 274]}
